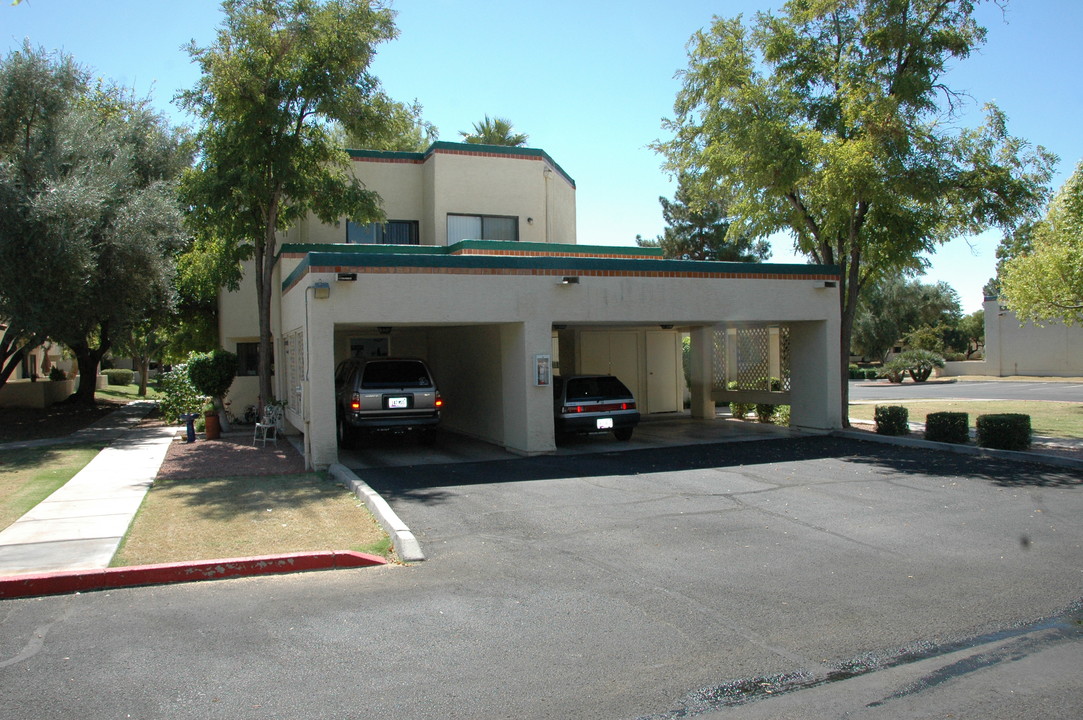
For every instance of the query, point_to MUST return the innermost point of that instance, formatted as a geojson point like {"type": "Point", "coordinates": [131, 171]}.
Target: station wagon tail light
{"type": "Point", "coordinates": [610, 407]}
{"type": "Point", "coordinates": [355, 401]}
{"type": "Point", "coordinates": [439, 401]}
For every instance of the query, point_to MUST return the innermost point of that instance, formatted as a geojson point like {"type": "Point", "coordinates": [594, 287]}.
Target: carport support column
{"type": "Point", "coordinates": [815, 380]}
{"type": "Point", "coordinates": [321, 443]}
{"type": "Point", "coordinates": [702, 348]}
{"type": "Point", "coordinates": [528, 408]}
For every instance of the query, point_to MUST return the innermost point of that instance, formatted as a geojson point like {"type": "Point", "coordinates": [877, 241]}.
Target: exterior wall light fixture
{"type": "Point", "coordinates": [321, 290]}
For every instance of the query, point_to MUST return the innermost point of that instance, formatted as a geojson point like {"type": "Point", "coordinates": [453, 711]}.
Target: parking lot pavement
{"type": "Point", "coordinates": [619, 585]}
{"type": "Point", "coordinates": [655, 431]}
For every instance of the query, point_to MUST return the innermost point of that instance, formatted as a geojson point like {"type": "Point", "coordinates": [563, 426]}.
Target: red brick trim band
{"type": "Point", "coordinates": [61, 583]}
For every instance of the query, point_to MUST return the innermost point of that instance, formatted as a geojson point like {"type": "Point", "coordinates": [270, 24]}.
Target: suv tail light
{"type": "Point", "coordinates": [439, 403]}
{"type": "Point", "coordinates": [355, 401]}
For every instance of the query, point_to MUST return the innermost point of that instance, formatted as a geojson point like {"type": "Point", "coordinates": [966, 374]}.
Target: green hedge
{"type": "Point", "coordinates": [892, 420]}
{"type": "Point", "coordinates": [118, 376]}
{"type": "Point", "coordinates": [949, 427]}
{"type": "Point", "coordinates": [1004, 431]}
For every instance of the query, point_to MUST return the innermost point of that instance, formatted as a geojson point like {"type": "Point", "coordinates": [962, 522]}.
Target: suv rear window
{"type": "Point", "coordinates": [592, 388]}
{"type": "Point", "coordinates": [395, 374]}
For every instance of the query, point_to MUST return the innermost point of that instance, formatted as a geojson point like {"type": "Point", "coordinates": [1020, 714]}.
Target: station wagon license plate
{"type": "Point", "coordinates": [397, 402]}
{"type": "Point", "coordinates": [605, 423]}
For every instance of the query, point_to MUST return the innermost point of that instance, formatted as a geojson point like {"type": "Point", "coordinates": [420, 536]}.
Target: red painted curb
{"type": "Point", "coordinates": [18, 586]}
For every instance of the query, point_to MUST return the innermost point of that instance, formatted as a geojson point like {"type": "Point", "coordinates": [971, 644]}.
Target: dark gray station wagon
{"type": "Point", "coordinates": [396, 395]}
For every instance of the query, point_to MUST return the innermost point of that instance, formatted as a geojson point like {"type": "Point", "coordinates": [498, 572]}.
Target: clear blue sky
{"type": "Point", "coordinates": [588, 81]}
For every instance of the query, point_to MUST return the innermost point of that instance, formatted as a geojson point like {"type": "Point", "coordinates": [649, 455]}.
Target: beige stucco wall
{"type": "Point", "coordinates": [1014, 348]}
{"type": "Point", "coordinates": [483, 332]}
{"type": "Point", "coordinates": [525, 187]}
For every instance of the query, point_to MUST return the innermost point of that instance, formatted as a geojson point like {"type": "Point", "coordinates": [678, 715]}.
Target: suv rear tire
{"type": "Point", "coordinates": [347, 436]}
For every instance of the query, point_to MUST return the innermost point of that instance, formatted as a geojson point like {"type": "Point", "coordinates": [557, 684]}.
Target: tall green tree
{"type": "Point", "coordinates": [828, 120]}
{"type": "Point", "coordinates": [1041, 278]}
{"type": "Point", "coordinates": [36, 90]}
{"type": "Point", "coordinates": [699, 229]}
{"type": "Point", "coordinates": [401, 127]}
{"type": "Point", "coordinates": [892, 307]}
{"type": "Point", "coordinates": [89, 221]}
{"type": "Point", "coordinates": [278, 74]}
{"type": "Point", "coordinates": [494, 131]}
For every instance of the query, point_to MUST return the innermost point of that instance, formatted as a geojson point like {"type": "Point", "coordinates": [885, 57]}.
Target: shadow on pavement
{"type": "Point", "coordinates": [421, 483]}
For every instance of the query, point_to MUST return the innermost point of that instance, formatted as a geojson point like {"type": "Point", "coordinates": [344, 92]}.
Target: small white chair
{"type": "Point", "coordinates": [268, 427]}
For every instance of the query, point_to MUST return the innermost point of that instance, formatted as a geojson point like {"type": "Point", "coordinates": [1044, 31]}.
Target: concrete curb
{"type": "Point", "coordinates": [22, 586]}
{"type": "Point", "coordinates": [406, 545]}
{"type": "Point", "coordinates": [1013, 455]}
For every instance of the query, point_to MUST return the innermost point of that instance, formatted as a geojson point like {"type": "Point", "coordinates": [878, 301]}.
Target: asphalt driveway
{"type": "Point", "coordinates": [624, 584]}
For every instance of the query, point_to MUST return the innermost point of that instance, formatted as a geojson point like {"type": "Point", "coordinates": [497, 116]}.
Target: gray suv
{"type": "Point", "coordinates": [396, 395]}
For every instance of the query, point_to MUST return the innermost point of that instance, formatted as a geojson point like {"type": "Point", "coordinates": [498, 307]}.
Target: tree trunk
{"type": "Point", "coordinates": [143, 363]}
{"type": "Point", "coordinates": [88, 359]}
{"type": "Point", "coordinates": [265, 263]}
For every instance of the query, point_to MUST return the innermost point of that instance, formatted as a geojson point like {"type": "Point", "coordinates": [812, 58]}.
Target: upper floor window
{"type": "Point", "coordinates": [481, 227]}
{"type": "Point", "coordinates": [392, 232]}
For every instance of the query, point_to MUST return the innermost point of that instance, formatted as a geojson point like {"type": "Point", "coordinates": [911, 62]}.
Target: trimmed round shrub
{"type": "Point", "coordinates": [1004, 431]}
{"type": "Point", "coordinates": [870, 374]}
{"type": "Point", "coordinates": [891, 420]}
{"type": "Point", "coordinates": [855, 372]}
{"type": "Point", "coordinates": [765, 412]}
{"type": "Point", "coordinates": [781, 416]}
{"type": "Point", "coordinates": [212, 373]}
{"type": "Point", "coordinates": [56, 373]}
{"type": "Point", "coordinates": [117, 376]}
{"type": "Point", "coordinates": [949, 427]}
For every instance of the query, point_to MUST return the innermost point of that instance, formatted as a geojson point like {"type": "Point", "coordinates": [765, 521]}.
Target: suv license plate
{"type": "Point", "coordinates": [397, 402]}
{"type": "Point", "coordinates": [605, 423]}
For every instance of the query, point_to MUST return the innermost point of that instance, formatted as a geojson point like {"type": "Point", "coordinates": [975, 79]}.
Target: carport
{"type": "Point", "coordinates": [487, 316]}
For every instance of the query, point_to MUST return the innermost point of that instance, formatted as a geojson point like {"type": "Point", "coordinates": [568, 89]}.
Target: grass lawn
{"type": "Point", "coordinates": [29, 476]}
{"type": "Point", "coordinates": [125, 393]}
{"type": "Point", "coordinates": [1053, 419]}
{"type": "Point", "coordinates": [206, 519]}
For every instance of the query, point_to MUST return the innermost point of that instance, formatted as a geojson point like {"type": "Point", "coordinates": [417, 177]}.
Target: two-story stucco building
{"type": "Point", "coordinates": [478, 271]}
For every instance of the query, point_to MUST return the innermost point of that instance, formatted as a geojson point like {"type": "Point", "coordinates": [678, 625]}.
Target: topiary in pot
{"type": "Point", "coordinates": [212, 375]}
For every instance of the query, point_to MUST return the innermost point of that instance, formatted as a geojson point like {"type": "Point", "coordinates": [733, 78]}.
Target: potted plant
{"type": "Point", "coordinates": [211, 426]}
{"type": "Point", "coordinates": [212, 374]}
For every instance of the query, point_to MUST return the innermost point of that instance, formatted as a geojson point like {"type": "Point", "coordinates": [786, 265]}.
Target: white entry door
{"type": "Point", "coordinates": [663, 389]}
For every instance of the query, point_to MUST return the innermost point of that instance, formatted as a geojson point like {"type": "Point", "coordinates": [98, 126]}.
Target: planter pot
{"type": "Point", "coordinates": [213, 428]}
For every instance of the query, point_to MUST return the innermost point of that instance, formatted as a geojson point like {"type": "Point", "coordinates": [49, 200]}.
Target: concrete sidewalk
{"type": "Point", "coordinates": [80, 526]}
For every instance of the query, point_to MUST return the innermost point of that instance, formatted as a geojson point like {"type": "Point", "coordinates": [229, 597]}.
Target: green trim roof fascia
{"type": "Point", "coordinates": [358, 249]}
{"type": "Point", "coordinates": [484, 262]}
{"type": "Point", "coordinates": [460, 147]}
{"type": "Point", "coordinates": [387, 155]}
{"type": "Point", "coordinates": [495, 245]}
{"type": "Point", "coordinates": [571, 250]}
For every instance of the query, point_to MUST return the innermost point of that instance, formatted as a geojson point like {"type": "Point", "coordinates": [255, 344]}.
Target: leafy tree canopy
{"type": "Point", "coordinates": [400, 127]}
{"type": "Point", "coordinates": [699, 229]}
{"type": "Point", "coordinates": [494, 131]}
{"type": "Point", "coordinates": [832, 120]}
{"type": "Point", "coordinates": [89, 221]}
{"type": "Point", "coordinates": [892, 307]}
{"type": "Point", "coordinates": [1041, 277]}
{"type": "Point", "coordinates": [278, 75]}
